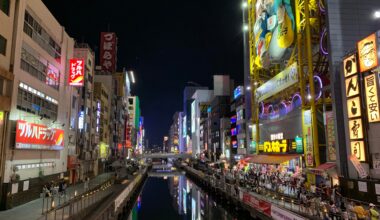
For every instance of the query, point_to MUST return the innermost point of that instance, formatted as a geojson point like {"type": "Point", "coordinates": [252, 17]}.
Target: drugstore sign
{"type": "Point", "coordinates": [76, 77]}
{"type": "Point", "coordinates": [36, 136]}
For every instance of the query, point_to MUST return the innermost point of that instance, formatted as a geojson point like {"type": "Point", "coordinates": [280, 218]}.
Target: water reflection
{"type": "Point", "coordinates": [176, 197]}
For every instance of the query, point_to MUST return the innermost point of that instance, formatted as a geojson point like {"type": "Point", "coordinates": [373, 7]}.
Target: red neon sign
{"type": "Point", "coordinates": [108, 43]}
{"type": "Point", "coordinates": [35, 136]}
{"type": "Point", "coordinates": [76, 77]}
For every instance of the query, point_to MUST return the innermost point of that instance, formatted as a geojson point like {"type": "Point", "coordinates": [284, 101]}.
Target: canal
{"type": "Point", "coordinates": [177, 197]}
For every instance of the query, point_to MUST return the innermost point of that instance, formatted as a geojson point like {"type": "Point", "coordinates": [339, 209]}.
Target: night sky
{"type": "Point", "coordinates": [167, 43]}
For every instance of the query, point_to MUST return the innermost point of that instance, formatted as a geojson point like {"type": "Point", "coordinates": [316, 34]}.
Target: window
{"type": "Point", "coordinates": [41, 37]}
{"type": "Point", "coordinates": [35, 102]}
{"type": "Point", "coordinates": [3, 44]}
{"type": "Point", "coordinates": [4, 6]}
{"type": "Point", "coordinates": [48, 74]}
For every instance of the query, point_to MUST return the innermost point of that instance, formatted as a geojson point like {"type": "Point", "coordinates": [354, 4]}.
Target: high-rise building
{"type": "Point", "coordinates": [134, 114]}
{"type": "Point", "coordinates": [188, 93]}
{"type": "Point", "coordinates": [7, 13]}
{"type": "Point", "coordinates": [356, 157]}
{"type": "Point", "coordinates": [202, 99]}
{"type": "Point", "coordinates": [87, 138]}
{"type": "Point", "coordinates": [175, 133]}
{"type": "Point", "coordinates": [36, 140]}
{"type": "Point", "coordinates": [219, 116]}
{"type": "Point", "coordinates": [101, 98]}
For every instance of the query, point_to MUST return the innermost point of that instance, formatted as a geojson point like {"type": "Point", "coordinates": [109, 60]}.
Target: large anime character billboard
{"type": "Point", "coordinates": [274, 31]}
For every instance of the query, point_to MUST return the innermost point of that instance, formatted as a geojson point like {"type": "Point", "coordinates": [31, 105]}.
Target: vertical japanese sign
{"type": "Point", "coordinates": [372, 98]}
{"type": "Point", "coordinates": [330, 133]}
{"type": "Point", "coordinates": [76, 77]}
{"type": "Point", "coordinates": [108, 45]}
{"type": "Point", "coordinates": [308, 139]}
{"type": "Point", "coordinates": [367, 49]}
{"type": "Point", "coordinates": [354, 111]}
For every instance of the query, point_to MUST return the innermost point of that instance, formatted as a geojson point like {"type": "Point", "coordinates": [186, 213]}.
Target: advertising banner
{"type": "Point", "coordinates": [308, 139]}
{"type": "Point", "coordinates": [367, 50]}
{"type": "Point", "coordinates": [256, 203]}
{"type": "Point", "coordinates": [76, 77]}
{"type": "Point", "coordinates": [372, 98]}
{"type": "Point", "coordinates": [35, 136]}
{"type": "Point", "coordinates": [108, 44]}
{"type": "Point", "coordinates": [361, 171]}
{"type": "Point", "coordinates": [330, 135]}
{"type": "Point", "coordinates": [281, 81]}
{"type": "Point", "coordinates": [282, 214]}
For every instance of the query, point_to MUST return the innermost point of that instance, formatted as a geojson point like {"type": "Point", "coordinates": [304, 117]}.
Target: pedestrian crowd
{"type": "Point", "coordinates": [54, 188]}
{"type": "Point", "coordinates": [321, 201]}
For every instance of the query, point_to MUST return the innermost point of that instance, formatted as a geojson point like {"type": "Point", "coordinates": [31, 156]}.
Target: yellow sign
{"type": "Point", "coordinates": [308, 139]}
{"type": "Point", "coordinates": [279, 146]}
{"type": "Point", "coordinates": [103, 150]}
{"type": "Point", "coordinates": [357, 149]}
{"type": "Point", "coordinates": [372, 98]}
{"type": "Point", "coordinates": [352, 86]}
{"type": "Point", "coordinates": [353, 107]}
{"type": "Point", "coordinates": [356, 128]}
{"type": "Point", "coordinates": [367, 50]}
{"type": "Point", "coordinates": [350, 65]}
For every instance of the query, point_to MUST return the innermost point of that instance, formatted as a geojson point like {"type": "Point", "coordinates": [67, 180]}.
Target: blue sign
{"type": "Point", "coordinates": [238, 92]}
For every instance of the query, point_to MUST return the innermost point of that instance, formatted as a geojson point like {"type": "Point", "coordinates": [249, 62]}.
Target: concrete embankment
{"type": "Point", "coordinates": [122, 199]}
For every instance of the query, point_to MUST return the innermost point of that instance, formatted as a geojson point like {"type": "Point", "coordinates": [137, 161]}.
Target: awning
{"type": "Point", "coordinates": [325, 167]}
{"type": "Point", "coordinates": [270, 159]}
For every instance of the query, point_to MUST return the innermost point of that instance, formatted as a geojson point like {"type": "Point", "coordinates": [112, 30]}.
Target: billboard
{"type": "Point", "coordinates": [372, 98]}
{"type": "Point", "coordinates": [281, 81]}
{"type": "Point", "coordinates": [274, 31]}
{"type": "Point", "coordinates": [108, 44]}
{"type": "Point", "coordinates": [367, 50]}
{"type": "Point", "coordinates": [36, 136]}
{"type": "Point", "coordinates": [76, 77]}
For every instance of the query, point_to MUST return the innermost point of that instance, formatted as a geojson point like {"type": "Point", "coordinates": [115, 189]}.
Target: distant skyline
{"type": "Point", "coordinates": [166, 44]}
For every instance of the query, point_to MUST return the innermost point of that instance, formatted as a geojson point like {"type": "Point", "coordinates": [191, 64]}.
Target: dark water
{"type": "Point", "coordinates": [176, 198]}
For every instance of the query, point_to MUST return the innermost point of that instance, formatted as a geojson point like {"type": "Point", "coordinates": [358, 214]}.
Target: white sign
{"type": "Point", "coordinates": [362, 186]}
{"type": "Point", "coordinates": [282, 214]}
{"type": "Point", "coordinates": [281, 81]}
{"type": "Point", "coordinates": [26, 185]}
{"type": "Point", "coordinates": [377, 189]}
{"type": "Point", "coordinates": [14, 188]}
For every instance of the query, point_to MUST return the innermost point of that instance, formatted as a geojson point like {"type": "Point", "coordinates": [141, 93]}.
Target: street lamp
{"type": "Point", "coordinates": [244, 4]}
{"type": "Point", "coordinates": [132, 76]}
{"type": "Point", "coordinates": [376, 14]}
{"type": "Point", "coordinates": [245, 27]}
{"type": "Point", "coordinates": [248, 88]}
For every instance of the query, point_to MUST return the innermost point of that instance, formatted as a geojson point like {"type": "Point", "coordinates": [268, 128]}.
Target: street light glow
{"type": "Point", "coordinates": [244, 5]}
{"type": "Point", "coordinates": [245, 27]}
{"type": "Point", "coordinates": [248, 88]}
{"type": "Point", "coordinates": [309, 97]}
{"type": "Point", "coordinates": [377, 14]}
{"type": "Point", "coordinates": [132, 77]}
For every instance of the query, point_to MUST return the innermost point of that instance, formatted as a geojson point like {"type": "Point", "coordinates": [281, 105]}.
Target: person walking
{"type": "Point", "coordinates": [360, 212]}
{"type": "Point", "coordinates": [374, 215]}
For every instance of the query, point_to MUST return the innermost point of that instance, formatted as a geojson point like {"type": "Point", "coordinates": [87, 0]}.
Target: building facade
{"type": "Point", "coordinates": [40, 54]}
{"type": "Point", "coordinates": [202, 99]}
